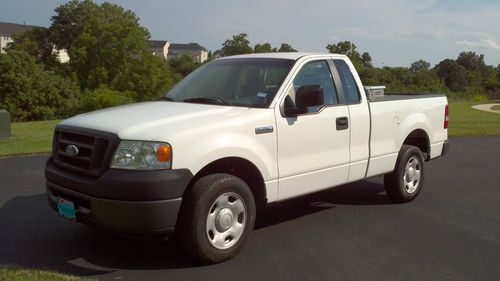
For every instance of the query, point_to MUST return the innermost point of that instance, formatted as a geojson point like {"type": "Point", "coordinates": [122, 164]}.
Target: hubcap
{"type": "Point", "coordinates": [226, 220]}
{"type": "Point", "coordinates": [412, 175]}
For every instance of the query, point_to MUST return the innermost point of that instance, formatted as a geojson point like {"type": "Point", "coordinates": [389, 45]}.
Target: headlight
{"type": "Point", "coordinates": [142, 155]}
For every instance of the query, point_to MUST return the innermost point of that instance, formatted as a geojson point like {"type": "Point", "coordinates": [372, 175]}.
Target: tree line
{"type": "Point", "coordinates": [111, 64]}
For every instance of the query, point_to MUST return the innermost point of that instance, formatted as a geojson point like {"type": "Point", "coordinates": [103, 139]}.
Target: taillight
{"type": "Point", "coordinates": [446, 117]}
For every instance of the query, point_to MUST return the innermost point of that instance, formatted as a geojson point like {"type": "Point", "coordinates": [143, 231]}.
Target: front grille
{"type": "Point", "coordinates": [95, 149]}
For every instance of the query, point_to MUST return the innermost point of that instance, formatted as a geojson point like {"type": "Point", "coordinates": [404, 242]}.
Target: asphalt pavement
{"type": "Point", "coordinates": [450, 232]}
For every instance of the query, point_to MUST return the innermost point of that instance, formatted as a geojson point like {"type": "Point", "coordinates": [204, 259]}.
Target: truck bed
{"type": "Point", "coordinates": [402, 96]}
{"type": "Point", "coordinates": [394, 119]}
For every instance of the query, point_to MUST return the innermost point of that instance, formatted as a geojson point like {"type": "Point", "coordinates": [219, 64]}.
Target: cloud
{"type": "Point", "coordinates": [355, 31]}
{"type": "Point", "coordinates": [425, 33]}
{"type": "Point", "coordinates": [479, 40]}
{"type": "Point", "coordinates": [482, 43]}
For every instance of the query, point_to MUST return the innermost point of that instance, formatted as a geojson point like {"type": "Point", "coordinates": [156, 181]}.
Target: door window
{"type": "Point", "coordinates": [316, 73]}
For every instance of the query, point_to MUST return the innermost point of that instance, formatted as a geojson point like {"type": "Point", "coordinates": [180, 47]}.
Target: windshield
{"type": "Point", "coordinates": [250, 82]}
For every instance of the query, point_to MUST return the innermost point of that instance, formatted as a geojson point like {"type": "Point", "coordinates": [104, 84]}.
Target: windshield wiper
{"type": "Point", "coordinates": [208, 100]}
{"type": "Point", "coordinates": [167, 98]}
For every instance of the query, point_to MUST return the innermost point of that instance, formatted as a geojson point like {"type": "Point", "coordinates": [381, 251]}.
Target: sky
{"type": "Point", "coordinates": [394, 32]}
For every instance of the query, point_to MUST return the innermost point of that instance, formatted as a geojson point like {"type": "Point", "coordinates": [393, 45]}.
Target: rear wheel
{"type": "Point", "coordinates": [405, 182]}
{"type": "Point", "coordinates": [217, 217]}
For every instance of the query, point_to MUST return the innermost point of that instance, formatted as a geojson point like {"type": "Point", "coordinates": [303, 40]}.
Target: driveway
{"type": "Point", "coordinates": [450, 232]}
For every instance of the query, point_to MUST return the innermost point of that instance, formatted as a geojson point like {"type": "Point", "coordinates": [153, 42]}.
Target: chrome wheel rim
{"type": "Point", "coordinates": [226, 220]}
{"type": "Point", "coordinates": [412, 175]}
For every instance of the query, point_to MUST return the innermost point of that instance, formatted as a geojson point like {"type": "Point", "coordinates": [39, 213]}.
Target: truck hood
{"type": "Point", "coordinates": [148, 120]}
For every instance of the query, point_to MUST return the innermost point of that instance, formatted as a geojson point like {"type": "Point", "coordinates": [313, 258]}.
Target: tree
{"type": "Point", "coordinates": [183, 65]}
{"type": "Point", "coordinates": [471, 61]}
{"type": "Point", "coordinates": [108, 47]}
{"type": "Point", "coordinates": [36, 42]}
{"type": "Point", "coordinates": [29, 92]}
{"type": "Point", "coordinates": [349, 49]}
{"type": "Point", "coordinates": [262, 48]}
{"type": "Point", "coordinates": [239, 44]}
{"type": "Point", "coordinates": [453, 74]}
{"type": "Point", "coordinates": [344, 47]}
{"type": "Point", "coordinates": [420, 66]}
{"type": "Point", "coordinates": [366, 59]}
{"type": "Point", "coordinates": [284, 47]}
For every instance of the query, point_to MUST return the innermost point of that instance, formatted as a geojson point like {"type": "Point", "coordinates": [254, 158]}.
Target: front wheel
{"type": "Point", "coordinates": [405, 182]}
{"type": "Point", "coordinates": [217, 217]}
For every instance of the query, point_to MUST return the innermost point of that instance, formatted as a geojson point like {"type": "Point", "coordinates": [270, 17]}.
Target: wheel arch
{"type": "Point", "coordinates": [420, 139]}
{"type": "Point", "coordinates": [238, 167]}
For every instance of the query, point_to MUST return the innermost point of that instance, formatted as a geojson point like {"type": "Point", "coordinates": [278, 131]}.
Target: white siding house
{"type": "Point", "coordinates": [159, 48]}
{"type": "Point", "coordinates": [7, 29]}
{"type": "Point", "coordinates": [167, 50]}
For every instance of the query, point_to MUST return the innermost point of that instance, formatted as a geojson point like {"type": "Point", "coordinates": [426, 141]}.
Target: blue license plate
{"type": "Point", "coordinates": [66, 209]}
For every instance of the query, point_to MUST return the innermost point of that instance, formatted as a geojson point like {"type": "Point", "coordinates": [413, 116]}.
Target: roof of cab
{"type": "Point", "coordinates": [290, 56]}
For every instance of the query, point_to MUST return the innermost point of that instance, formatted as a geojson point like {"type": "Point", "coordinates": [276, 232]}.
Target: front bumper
{"type": "Point", "coordinates": [131, 203]}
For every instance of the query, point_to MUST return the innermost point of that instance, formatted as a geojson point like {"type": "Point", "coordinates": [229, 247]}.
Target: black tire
{"type": "Point", "coordinates": [199, 202]}
{"type": "Point", "coordinates": [403, 187]}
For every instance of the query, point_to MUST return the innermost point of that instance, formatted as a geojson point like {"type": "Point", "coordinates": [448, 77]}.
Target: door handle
{"type": "Point", "coordinates": [342, 123]}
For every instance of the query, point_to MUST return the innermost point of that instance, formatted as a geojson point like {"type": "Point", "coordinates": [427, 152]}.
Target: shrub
{"type": "Point", "coordinates": [102, 98]}
{"type": "Point", "coordinates": [29, 92]}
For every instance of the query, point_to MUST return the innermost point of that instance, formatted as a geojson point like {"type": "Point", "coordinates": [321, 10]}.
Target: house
{"type": "Point", "coordinates": [159, 48]}
{"type": "Point", "coordinates": [198, 52]}
{"type": "Point", "coordinates": [7, 29]}
{"type": "Point", "coordinates": [167, 50]}
{"type": "Point", "coordinates": [217, 55]}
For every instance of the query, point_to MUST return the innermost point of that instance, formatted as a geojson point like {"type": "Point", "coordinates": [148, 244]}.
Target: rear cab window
{"type": "Point", "coordinates": [351, 91]}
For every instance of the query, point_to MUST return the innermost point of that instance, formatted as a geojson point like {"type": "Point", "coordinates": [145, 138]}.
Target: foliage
{"type": "Point", "coordinates": [350, 50]}
{"type": "Point", "coordinates": [183, 65]}
{"type": "Point", "coordinates": [453, 74]}
{"type": "Point", "coordinates": [366, 60]}
{"type": "Point", "coordinates": [106, 45]}
{"type": "Point", "coordinates": [239, 44]}
{"type": "Point", "coordinates": [403, 80]}
{"type": "Point", "coordinates": [420, 66]}
{"type": "Point", "coordinates": [284, 47]}
{"type": "Point", "coordinates": [36, 42]}
{"type": "Point", "coordinates": [29, 92]}
{"type": "Point", "coordinates": [102, 98]}
{"type": "Point", "coordinates": [262, 48]}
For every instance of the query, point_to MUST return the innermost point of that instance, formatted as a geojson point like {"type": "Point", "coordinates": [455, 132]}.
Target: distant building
{"type": "Point", "coordinates": [7, 29]}
{"type": "Point", "coordinates": [167, 50]}
{"type": "Point", "coordinates": [198, 52]}
{"type": "Point", "coordinates": [217, 55]}
{"type": "Point", "coordinates": [159, 48]}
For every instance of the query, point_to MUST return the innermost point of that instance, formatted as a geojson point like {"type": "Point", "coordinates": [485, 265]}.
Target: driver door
{"type": "Point", "coordinates": [313, 150]}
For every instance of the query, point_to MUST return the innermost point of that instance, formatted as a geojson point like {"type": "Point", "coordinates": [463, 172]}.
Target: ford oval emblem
{"type": "Point", "coordinates": [71, 150]}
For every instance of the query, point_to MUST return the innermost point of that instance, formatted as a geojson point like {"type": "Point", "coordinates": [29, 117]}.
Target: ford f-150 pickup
{"type": "Point", "coordinates": [236, 134]}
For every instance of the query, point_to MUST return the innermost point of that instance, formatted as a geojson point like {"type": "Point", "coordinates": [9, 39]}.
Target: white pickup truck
{"type": "Point", "coordinates": [238, 133]}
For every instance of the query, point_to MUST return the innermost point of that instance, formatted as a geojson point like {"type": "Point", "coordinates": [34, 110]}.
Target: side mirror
{"type": "Point", "coordinates": [306, 96]}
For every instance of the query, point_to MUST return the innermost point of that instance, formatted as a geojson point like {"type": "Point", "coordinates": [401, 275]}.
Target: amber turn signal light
{"type": "Point", "coordinates": [164, 153]}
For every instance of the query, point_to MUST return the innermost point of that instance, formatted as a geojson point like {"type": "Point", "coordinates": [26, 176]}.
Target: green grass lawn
{"type": "Point", "coordinates": [466, 121]}
{"type": "Point", "coordinates": [29, 138]}
{"type": "Point", "coordinates": [496, 107]}
{"type": "Point", "coordinates": [9, 273]}
{"type": "Point", "coordinates": [36, 137]}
